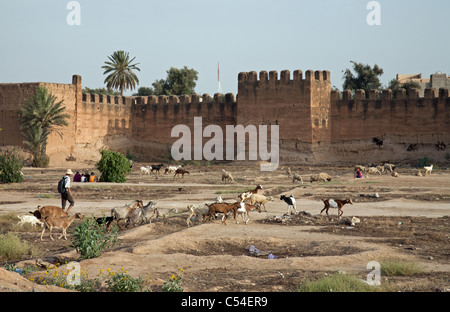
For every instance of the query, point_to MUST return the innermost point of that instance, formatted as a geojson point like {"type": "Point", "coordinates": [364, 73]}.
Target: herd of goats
{"type": "Point", "coordinates": [136, 213]}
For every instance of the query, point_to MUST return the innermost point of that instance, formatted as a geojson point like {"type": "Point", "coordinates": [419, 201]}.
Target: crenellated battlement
{"type": "Point", "coordinates": [90, 98]}
{"type": "Point", "coordinates": [285, 76]}
{"type": "Point", "coordinates": [387, 94]}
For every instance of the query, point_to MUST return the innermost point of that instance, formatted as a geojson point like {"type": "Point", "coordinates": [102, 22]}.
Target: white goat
{"type": "Point", "coordinates": [226, 176]}
{"type": "Point", "coordinates": [244, 209]}
{"type": "Point", "coordinates": [146, 170]}
{"type": "Point", "coordinates": [29, 219]}
{"type": "Point", "coordinates": [59, 222]}
{"type": "Point", "coordinates": [428, 169]}
{"type": "Point", "coordinates": [163, 213]}
{"type": "Point", "coordinates": [171, 169]}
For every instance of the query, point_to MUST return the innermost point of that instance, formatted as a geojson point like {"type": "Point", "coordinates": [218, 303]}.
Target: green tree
{"type": "Point", "coordinates": [39, 116]}
{"type": "Point", "coordinates": [394, 85]}
{"type": "Point", "coordinates": [365, 77]}
{"type": "Point", "coordinates": [113, 166]}
{"type": "Point", "coordinates": [120, 72]}
{"type": "Point", "coordinates": [179, 81]}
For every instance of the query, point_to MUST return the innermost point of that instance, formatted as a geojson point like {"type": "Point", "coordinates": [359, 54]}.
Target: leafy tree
{"type": "Point", "coordinates": [120, 72]}
{"type": "Point", "coordinates": [394, 85]}
{"type": "Point", "coordinates": [365, 77]}
{"type": "Point", "coordinates": [113, 166]}
{"type": "Point", "coordinates": [39, 116]}
{"type": "Point", "coordinates": [179, 81]}
{"type": "Point", "coordinates": [11, 164]}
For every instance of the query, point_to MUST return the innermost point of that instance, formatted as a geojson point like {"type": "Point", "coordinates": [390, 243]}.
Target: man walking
{"type": "Point", "coordinates": [67, 194]}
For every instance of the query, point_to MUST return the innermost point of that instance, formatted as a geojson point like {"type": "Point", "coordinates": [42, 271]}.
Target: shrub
{"type": "Point", "coordinates": [122, 282]}
{"type": "Point", "coordinates": [11, 164]}
{"type": "Point", "coordinates": [113, 167]}
{"type": "Point", "coordinates": [173, 283]}
{"type": "Point", "coordinates": [395, 267]}
{"type": "Point", "coordinates": [11, 247]}
{"type": "Point", "coordinates": [90, 238]}
{"type": "Point", "coordinates": [335, 283]}
{"type": "Point", "coordinates": [424, 162]}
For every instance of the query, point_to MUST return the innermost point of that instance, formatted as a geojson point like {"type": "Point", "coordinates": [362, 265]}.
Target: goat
{"type": "Point", "coordinates": [244, 209]}
{"type": "Point", "coordinates": [428, 169]}
{"type": "Point", "coordinates": [321, 177]}
{"type": "Point", "coordinates": [180, 171]}
{"type": "Point", "coordinates": [125, 212]}
{"type": "Point", "coordinates": [146, 170]}
{"type": "Point", "coordinates": [142, 212]}
{"type": "Point", "coordinates": [171, 169]}
{"type": "Point", "coordinates": [224, 208]}
{"type": "Point", "coordinates": [105, 220]}
{"type": "Point", "coordinates": [162, 213]}
{"type": "Point", "coordinates": [337, 203]}
{"type": "Point", "coordinates": [260, 199]}
{"type": "Point", "coordinates": [389, 167]}
{"type": "Point", "coordinates": [48, 211]}
{"type": "Point", "coordinates": [289, 172]}
{"type": "Point", "coordinates": [373, 170]}
{"type": "Point", "coordinates": [195, 213]}
{"type": "Point", "coordinates": [157, 168]}
{"type": "Point", "coordinates": [297, 177]}
{"type": "Point", "coordinates": [61, 223]}
{"type": "Point", "coordinates": [290, 201]}
{"type": "Point", "coordinates": [29, 219]}
{"type": "Point", "coordinates": [249, 193]}
{"type": "Point", "coordinates": [226, 176]}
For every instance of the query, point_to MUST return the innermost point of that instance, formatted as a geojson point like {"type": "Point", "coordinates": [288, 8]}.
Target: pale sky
{"type": "Point", "coordinates": [37, 43]}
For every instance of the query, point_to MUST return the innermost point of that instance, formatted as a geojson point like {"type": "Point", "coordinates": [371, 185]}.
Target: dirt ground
{"type": "Point", "coordinates": [409, 219]}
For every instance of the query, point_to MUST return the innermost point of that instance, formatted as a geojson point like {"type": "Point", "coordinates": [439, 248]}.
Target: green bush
{"type": "Point", "coordinates": [424, 162]}
{"type": "Point", "coordinates": [122, 282]}
{"type": "Point", "coordinates": [11, 164]}
{"type": "Point", "coordinates": [396, 267]}
{"type": "Point", "coordinates": [11, 247]}
{"type": "Point", "coordinates": [90, 238]}
{"type": "Point", "coordinates": [113, 167]}
{"type": "Point", "coordinates": [335, 283]}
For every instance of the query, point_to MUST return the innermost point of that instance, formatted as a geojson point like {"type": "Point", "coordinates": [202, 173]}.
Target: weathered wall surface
{"type": "Point", "coordinates": [316, 125]}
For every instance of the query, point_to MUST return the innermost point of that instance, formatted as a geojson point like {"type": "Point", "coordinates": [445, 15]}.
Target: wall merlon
{"type": "Point", "coordinates": [285, 76]}
{"type": "Point", "coordinates": [373, 94]}
{"type": "Point", "coordinates": [298, 75]}
{"type": "Point", "coordinates": [318, 75]}
{"type": "Point", "coordinates": [360, 94]}
{"type": "Point", "coordinates": [387, 94]}
{"type": "Point", "coordinates": [263, 76]}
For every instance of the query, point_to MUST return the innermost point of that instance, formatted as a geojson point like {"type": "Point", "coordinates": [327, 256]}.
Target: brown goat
{"type": "Point", "coordinates": [48, 211]}
{"type": "Point", "coordinates": [224, 208]}
{"type": "Point", "coordinates": [180, 171]}
{"type": "Point", "coordinates": [339, 203]}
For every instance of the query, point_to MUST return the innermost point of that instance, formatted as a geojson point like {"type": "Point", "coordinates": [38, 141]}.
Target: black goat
{"type": "Point", "coordinates": [157, 167]}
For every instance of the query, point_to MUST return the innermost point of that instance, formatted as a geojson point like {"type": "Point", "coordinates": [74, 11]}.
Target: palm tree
{"type": "Point", "coordinates": [39, 117]}
{"type": "Point", "coordinates": [120, 72]}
